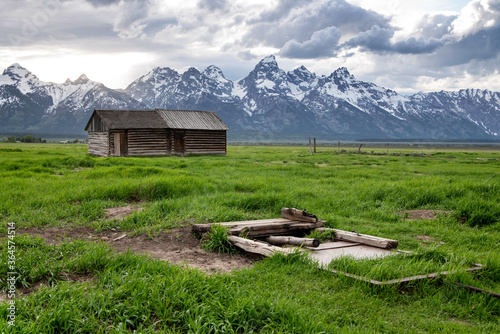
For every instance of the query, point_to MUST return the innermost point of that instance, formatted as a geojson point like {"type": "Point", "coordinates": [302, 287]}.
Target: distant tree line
{"type": "Point", "coordinates": [25, 139]}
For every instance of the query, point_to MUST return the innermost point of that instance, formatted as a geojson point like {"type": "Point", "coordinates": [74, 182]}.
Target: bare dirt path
{"type": "Point", "coordinates": [177, 246]}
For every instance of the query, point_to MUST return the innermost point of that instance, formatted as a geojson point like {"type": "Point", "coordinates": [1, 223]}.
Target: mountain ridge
{"type": "Point", "coordinates": [267, 100]}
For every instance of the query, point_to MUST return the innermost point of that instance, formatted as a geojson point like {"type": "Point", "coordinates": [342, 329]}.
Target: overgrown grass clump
{"type": "Point", "coordinates": [217, 240]}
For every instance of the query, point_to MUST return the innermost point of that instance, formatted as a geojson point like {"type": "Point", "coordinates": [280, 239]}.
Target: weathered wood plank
{"type": "Point", "coordinates": [362, 238]}
{"type": "Point", "coordinates": [256, 247]}
{"type": "Point", "coordinates": [259, 228]}
{"type": "Point", "coordinates": [98, 144]}
{"type": "Point", "coordinates": [273, 229]}
{"type": "Point", "coordinates": [295, 214]}
{"type": "Point", "coordinates": [288, 240]}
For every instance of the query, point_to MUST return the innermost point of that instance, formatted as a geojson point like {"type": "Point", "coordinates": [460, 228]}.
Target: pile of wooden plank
{"type": "Point", "coordinates": [271, 233]}
{"type": "Point", "coordinates": [265, 237]}
{"type": "Point", "coordinates": [292, 221]}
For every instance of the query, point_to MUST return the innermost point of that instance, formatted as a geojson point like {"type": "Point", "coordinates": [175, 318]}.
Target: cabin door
{"type": "Point", "coordinates": [121, 144]}
{"type": "Point", "coordinates": [179, 142]}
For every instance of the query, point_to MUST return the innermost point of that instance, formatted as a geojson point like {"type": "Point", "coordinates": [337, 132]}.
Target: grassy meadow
{"type": "Point", "coordinates": [44, 185]}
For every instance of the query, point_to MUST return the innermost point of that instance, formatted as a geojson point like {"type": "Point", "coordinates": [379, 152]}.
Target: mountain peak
{"type": "Point", "coordinates": [269, 59]}
{"type": "Point", "coordinates": [267, 62]}
{"type": "Point", "coordinates": [17, 72]}
{"type": "Point", "coordinates": [214, 72]}
{"type": "Point", "coordinates": [267, 67]}
{"type": "Point", "coordinates": [342, 72]}
{"type": "Point", "coordinates": [303, 72]}
{"type": "Point", "coordinates": [82, 79]}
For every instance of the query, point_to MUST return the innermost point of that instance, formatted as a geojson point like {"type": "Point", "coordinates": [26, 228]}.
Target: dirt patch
{"type": "Point", "coordinates": [119, 213]}
{"type": "Point", "coordinates": [177, 246]}
{"type": "Point", "coordinates": [65, 277]}
{"type": "Point", "coordinates": [422, 214]}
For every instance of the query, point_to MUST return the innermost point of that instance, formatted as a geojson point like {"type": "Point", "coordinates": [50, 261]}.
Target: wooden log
{"type": "Point", "coordinates": [261, 228]}
{"type": "Point", "coordinates": [256, 247]}
{"type": "Point", "coordinates": [288, 240]}
{"type": "Point", "coordinates": [362, 238]}
{"type": "Point", "coordinates": [295, 214]}
{"type": "Point", "coordinates": [272, 229]}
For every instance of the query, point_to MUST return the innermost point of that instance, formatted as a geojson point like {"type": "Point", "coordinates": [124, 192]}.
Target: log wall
{"type": "Point", "coordinates": [205, 142]}
{"type": "Point", "coordinates": [147, 142]}
{"type": "Point", "coordinates": [99, 144]}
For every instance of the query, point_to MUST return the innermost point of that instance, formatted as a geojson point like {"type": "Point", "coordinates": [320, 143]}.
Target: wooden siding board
{"type": "Point", "coordinates": [98, 144]}
{"type": "Point", "coordinates": [205, 142]}
{"type": "Point", "coordinates": [147, 142]}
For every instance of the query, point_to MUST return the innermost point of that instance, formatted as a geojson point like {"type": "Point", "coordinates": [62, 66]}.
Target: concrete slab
{"type": "Point", "coordinates": [326, 252]}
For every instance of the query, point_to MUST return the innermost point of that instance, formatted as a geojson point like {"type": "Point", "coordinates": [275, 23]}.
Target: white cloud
{"type": "Point", "coordinates": [476, 16]}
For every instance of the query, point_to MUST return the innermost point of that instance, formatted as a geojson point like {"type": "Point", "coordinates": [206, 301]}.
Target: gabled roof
{"type": "Point", "coordinates": [159, 119]}
{"type": "Point", "coordinates": [191, 119]}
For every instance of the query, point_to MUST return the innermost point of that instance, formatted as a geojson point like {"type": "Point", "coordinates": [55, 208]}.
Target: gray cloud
{"type": "Point", "coordinates": [214, 5]}
{"type": "Point", "coordinates": [441, 47]}
{"type": "Point", "coordinates": [323, 43]}
{"type": "Point", "coordinates": [378, 40]}
{"type": "Point", "coordinates": [434, 26]}
{"type": "Point", "coordinates": [299, 20]}
{"type": "Point", "coordinates": [282, 10]}
{"type": "Point", "coordinates": [246, 55]}
{"type": "Point", "coordinates": [102, 3]}
{"type": "Point", "coordinates": [417, 46]}
{"type": "Point", "coordinates": [473, 36]}
{"type": "Point", "coordinates": [132, 18]}
{"type": "Point", "coordinates": [482, 45]}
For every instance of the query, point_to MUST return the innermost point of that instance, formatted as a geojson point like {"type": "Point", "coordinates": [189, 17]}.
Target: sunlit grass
{"type": "Point", "coordinates": [60, 185]}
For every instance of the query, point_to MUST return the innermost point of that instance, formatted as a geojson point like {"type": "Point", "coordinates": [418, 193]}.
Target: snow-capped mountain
{"type": "Point", "coordinates": [267, 100]}
{"type": "Point", "coordinates": [29, 104]}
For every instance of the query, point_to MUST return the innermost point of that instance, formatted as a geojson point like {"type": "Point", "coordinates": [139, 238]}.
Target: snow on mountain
{"type": "Point", "coordinates": [35, 105]}
{"type": "Point", "coordinates": [268, 99]}
{"type": "Point", "coordinates": [301, 81]}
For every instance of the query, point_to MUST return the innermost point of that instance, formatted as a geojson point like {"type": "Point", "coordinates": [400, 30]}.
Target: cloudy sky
{"type": "Point", "coordinates": [408, 46]}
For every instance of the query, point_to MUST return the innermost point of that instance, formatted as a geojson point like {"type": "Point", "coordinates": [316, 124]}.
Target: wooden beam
{"type": "Point", "coordinates": [287, 240]}
{"type": "Point", "coordinates": [295, 214]}
{"type": "Point", "coordinates": [362, 238]}
{"type": "Point", "coordinates": [256, 247]}
{"type": "Point", "coordinates": [261, 228]}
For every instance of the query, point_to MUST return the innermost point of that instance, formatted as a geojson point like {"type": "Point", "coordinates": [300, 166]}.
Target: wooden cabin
{"type": "Point", "coordinates": [116, 133]}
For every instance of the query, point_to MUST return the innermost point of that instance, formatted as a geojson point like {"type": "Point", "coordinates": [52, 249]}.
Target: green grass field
{"type": "Point", "coordinates": [45, 185]}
